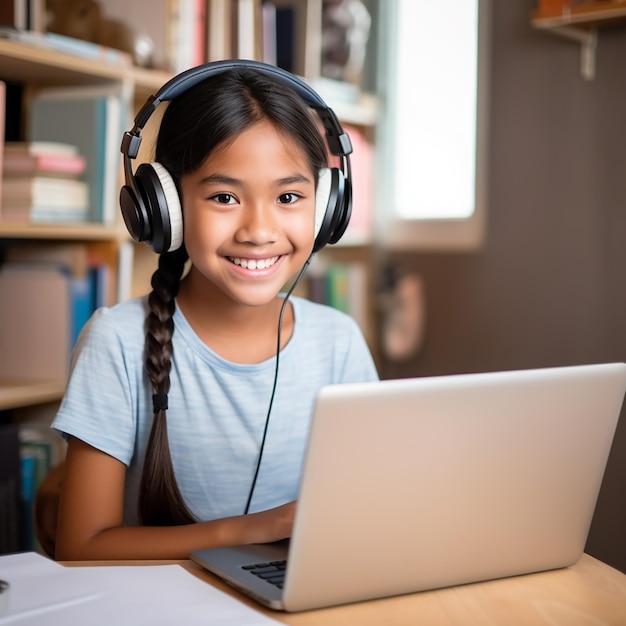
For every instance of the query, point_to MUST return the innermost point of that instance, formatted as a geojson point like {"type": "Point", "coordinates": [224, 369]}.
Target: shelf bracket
{"type": "Point", "coordinates": [588, 40]}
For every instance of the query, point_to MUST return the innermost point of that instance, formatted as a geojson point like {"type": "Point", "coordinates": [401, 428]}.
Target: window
{"type": "Point", "coordinates": [434, 135]}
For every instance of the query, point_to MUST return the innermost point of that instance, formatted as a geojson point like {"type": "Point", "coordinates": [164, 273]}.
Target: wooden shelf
{"type": "Point", "coordinates": [580, 23]}
{"type": "Point", "coordinates": [48, 67]}
{"type": "Point", "coordinates": [60, 232]}
{"type": "Point", "coordinates": [589, 15]}
{"type": "Point", "coordinates": [19, 393]}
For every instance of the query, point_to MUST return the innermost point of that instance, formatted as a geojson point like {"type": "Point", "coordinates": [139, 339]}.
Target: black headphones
{"type": "Point", "coordinates": [149, 200]}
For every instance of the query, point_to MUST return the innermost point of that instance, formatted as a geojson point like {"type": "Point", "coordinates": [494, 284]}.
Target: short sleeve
{"type": "Point", "coordinates": [101, 397]}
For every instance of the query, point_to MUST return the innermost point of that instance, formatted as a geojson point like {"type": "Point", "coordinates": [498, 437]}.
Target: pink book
{"type": "Point", "coordinates": [29, 164]}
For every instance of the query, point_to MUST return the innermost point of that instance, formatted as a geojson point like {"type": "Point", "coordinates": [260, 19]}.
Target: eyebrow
{"type": "Point", "coordinates": [222, 179]}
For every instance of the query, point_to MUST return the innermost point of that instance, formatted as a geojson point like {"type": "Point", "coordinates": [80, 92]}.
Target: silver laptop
{"type": "Point", "coordinates": [418, 484]}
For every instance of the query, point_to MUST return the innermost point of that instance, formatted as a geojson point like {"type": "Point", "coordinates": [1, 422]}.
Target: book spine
{"type": "Point", "coordinates": [23, 165]}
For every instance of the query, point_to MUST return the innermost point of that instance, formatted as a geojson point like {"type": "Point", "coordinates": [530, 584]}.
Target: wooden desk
{"type": "Point", "coordinates": [589, 593]}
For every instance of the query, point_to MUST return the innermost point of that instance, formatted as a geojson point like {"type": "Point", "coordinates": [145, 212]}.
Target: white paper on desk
{"type": "Point", "coordinates": [136, 595]}
{"type": "Point", "coordinates": [159, 594]}
{"type": "Point", "coordinates": [39, 586]}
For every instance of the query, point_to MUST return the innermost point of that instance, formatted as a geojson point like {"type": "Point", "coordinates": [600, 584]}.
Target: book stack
{"type": "Point", "coordinates": [42, 183]}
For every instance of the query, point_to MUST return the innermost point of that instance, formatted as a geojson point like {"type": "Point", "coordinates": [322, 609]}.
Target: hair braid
{"type": "Point", "coordinates": [160, 501]}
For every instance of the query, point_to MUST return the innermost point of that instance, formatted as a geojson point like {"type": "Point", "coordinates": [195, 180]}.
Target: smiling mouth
{"type": "Point", "coordinates": [253, 264]}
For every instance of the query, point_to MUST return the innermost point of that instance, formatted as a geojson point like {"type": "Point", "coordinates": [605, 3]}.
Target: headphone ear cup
{"type": "Point", "coordinates": [134, 212]}
{"type": "Point", "coordinates": [163, 208]}
{"type": "Point", "coordinates": [322, 199]}
{"type": "Point", "coordinates": [343, 211]}
{"type": "Point", "coordinates": [331, 219]}
{"type": "Point", "coordinates": [173, 207]}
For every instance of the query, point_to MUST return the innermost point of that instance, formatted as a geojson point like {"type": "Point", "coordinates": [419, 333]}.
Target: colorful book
{"type": "Point", "coordinates": [360, 228]}
{"type": "Point", "coordinates": [28, 469]}
{"type": "Point", "coordinates": [340, 285]}
{"type": "Point", "coordinates": [49, 191]}
{"type": "Point", "coordinates": [39, 148]}
{"type": "Point", "coordinates": [43, 163]}
{"type": "Point", "coordinates": [44, 199]}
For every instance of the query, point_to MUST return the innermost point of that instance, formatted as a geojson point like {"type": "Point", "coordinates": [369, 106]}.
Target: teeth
{"type": "Point", "coordinates": [254, 264]}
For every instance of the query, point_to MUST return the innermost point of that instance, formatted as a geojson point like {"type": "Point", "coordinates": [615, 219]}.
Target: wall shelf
{"type": "Point", "coordinates": [48, 67]}
{"type": "Point", "coordinates": [580, 23]}
{"type": "Point", "coordinates": [18, 393]}
{"type": "Point", "coordinates": [60, 232]}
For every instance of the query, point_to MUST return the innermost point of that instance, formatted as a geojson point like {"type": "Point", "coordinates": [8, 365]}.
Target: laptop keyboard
{"type": "Point", "coordinates": [273, 572]}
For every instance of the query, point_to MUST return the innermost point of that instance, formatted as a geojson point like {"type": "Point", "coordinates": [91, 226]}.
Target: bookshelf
{"type": "Point", "coordinates": [16, 394]}
{"type": "Point", "coordinates": [580, 22]}
{"type": "Point", "coordinates": [38, 67]}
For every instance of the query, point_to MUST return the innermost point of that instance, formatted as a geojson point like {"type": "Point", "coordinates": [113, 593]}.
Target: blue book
{"type": "Point", "coordinates": [99, 275]}
{"type": "Point", "coordinates": [28, 466]}
{"type": "Point", "coordinates": [82, 304]}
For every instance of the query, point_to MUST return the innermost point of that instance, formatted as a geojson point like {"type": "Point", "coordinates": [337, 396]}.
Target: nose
{"type": "Point", "coordinates": [259, 225]}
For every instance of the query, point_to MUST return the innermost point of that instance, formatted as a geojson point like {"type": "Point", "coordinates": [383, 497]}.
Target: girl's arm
{"type": "Point", "coordinates": [91, 507]}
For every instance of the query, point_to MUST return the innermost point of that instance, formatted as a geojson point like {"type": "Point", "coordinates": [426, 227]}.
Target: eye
{"type": "Point", "coordinates": [224, 198]}
{"type": "Point", "coordinates": [288, 198]}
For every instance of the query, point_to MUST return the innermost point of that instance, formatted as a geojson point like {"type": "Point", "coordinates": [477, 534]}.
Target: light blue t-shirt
{"type": "Point", "coordinates": [217, 409]}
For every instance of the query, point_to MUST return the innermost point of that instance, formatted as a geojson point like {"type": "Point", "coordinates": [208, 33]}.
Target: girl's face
{"type": "Point", "coordinates": [249, 214]}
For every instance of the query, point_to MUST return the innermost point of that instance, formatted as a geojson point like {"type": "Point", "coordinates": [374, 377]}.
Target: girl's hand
{"type": "Point", "coordinates": [273, 524]}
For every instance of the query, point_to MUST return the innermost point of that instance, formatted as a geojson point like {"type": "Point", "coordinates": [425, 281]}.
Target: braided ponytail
{"type": "Point", "coordinates": [160, 501]}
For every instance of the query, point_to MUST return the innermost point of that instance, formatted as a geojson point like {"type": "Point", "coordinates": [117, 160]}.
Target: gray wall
{"type": "Point", "coordinates": [549, 288]}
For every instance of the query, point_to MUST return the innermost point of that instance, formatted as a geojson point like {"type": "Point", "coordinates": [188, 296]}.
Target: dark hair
{"type": "Point", "coordinates": [209, 114]}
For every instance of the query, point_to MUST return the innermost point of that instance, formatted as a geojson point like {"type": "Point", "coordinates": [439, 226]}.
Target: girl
{"type": "Point", "coordinates": [182, 431]}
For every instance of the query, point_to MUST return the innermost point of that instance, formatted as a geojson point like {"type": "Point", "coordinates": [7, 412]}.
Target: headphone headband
{"type": "Point", "coordinates": [191, 77]}
{"type": "Point", "coordinates": [338, 141]}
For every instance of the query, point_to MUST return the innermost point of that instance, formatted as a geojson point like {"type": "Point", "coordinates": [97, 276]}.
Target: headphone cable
{"type": "Point", "coordinates": [269, 408]}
